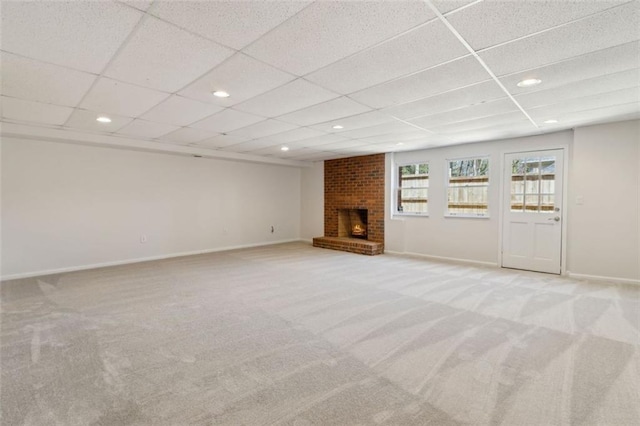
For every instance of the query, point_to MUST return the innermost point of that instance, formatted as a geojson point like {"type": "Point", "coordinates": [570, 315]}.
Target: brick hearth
{"type": "Point", "coordinates": [353, 245]}
{"type": "Point", "coordinates": [354, 183]}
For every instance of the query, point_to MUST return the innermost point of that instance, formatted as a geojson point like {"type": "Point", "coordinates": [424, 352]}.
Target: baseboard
{"type": "Point", "coordinates": [602, 278]}
{"type": "Point", "coordinates": [443, 258]}
{"type": "Point", "coordinates": [138, 260]}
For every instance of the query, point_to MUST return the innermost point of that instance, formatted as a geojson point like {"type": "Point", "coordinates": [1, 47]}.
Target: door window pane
{"type": "Point", "coordinates": [517, 202]}
{"type": "Point", "coordinates": [533, 178]}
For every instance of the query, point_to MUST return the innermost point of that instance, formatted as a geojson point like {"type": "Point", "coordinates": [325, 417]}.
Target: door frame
{"type": "Point", "coordinates": [565, 200]}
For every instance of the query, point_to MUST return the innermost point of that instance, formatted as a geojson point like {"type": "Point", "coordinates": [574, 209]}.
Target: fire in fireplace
{"type": "Point", "coordinates": [352, 223]}
{"type": "Point", "coordinates": [358, 230]}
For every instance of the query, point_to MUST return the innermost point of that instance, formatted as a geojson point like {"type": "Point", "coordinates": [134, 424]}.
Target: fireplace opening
{"type": "Point", "coordinates": [352, 223]}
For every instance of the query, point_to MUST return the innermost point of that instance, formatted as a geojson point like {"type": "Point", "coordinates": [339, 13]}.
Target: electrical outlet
{"type": "Point", "coordinates": [143, 239]}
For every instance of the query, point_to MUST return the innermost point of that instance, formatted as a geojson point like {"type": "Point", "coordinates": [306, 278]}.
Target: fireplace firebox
{"type": "Point", "coordinates": [352, 223]}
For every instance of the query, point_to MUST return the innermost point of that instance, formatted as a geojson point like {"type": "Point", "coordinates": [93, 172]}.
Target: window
{"type": "Point", "coordinates": [468, 190]}
{"type": "Point", "coordinates": [412, 188]}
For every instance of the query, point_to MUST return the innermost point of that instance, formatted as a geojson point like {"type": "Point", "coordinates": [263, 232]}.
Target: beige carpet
{"type": "Point", "coordinates": [296, 335]}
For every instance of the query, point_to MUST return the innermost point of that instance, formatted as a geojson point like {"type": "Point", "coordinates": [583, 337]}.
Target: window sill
{"type": "Point", "coordinates": [466, 216]}
{"type": "Point", "coordinates": [406, 215]}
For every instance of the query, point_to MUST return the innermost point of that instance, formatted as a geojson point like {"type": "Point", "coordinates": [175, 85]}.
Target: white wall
{"type": "Point", "coordinates": [471, 239]}
{"type": "Point", "coordinates": [312, 201]}
{"type": "Point", "coordinates": [67, 206]}
{"type": "Point", "coordinates": [604, 232]}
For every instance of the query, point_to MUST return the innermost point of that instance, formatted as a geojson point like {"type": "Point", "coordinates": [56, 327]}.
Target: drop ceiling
{"type": "Point", "coordinates": [392, 75]}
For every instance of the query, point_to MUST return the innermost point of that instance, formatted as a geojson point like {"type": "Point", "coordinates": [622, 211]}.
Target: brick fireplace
{"type": "Point", "coordinates": [354, 205]}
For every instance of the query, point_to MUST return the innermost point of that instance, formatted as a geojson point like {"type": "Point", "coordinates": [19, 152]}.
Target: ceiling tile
{"type": "Point", "coordinates": [452, 75]}
{"type": "Point", "coordinates": [219, 141]}
{"type": "Point", "coordinates": [359, 121]}
{"type": "Point", "coordinates": [272, 151]}
{"type": "Point", "coordinates": [586, 117]}
{"type": "Point", "coordinates": [180, 111]}
{"type": "Point", "coordinates": [584, 36]}
{"type": "Point", "coordinates": [358, 150]}
{"type": "Point", "coordinates": [446, 6]}
{"type": "Point", "coordinates": [327, 111]}
{"type": "Point", "coordinates": [401, 137]}
{"type": "Point", "coordinates": [187, 135]}
{"type": "Point", "coordinates": [231, 23]}
{"type": "Point", "coordinates": [35, 112]}
{"type": "Point", "coordinates": [327, 31]}
{"type": "Point", "coordinates": [507, 119]}
{"type": "Point", "coordinates": [300, 133]}
{"type": "Point", "coordinates": [227, 120]}
{"type": "Point", "coordinates": [486, 109]}
{"type": "Point", "coordinates": [317, 141]}
{"type": "Point", "coordinates": [138, 4]}
{"type": "Point", "coordinates": [115, 97]}
{"type": "Point", "coordinates": [424, 47]}
{"type": "Point", "coordinates": [291, 97]}
{"type": "Point", "coordinates": [306, 154]}
{"type": "Point", "coordinates": [37, 81]}
{"type": "Point", "coordinates": [250, 145]}
{"type": "Point", "coordinates": [345, 144]}
{"type": "Point", "coordinates": [395, 127]}
{"type": "Point", "coordinates": [477, 24]}
{"type": "Point", "coordinates": [261, 129]}
{"type": "Point", "coordinates": [618, 97]}
{"type": "Point", "coordinates": [592, 86]}
{"type": "Point", "coordinates": [448, 101]}
{"type": "Point", "coordinates": [412, 145]}
{"type": "Point", "coordinates": [80, 35]}
{"type": "Point", "coordinates": [601, 62]}
{"type": "Point", "coordinates": [240, 76]}
{"type": "Point", "coordinates": [157, 54]}
{"type": "Point", "coordinates": [146, 129]}
{"type": "Point", "coordinates": [495, 132]}
{"type": "Point", "coordinates": [86, 120]}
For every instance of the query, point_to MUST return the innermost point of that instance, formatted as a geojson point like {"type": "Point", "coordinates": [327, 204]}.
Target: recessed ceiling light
{"type": "Point", "coordinates": [400, 143]}
{"type": "Point", "coordinates": [550, 121]}
{"type": "Point", "coordinates": [221, 94]}
{"type": "Point", "coordinates": [529, 82]}
{"type": "Point", "coordinates": [338, 127]}
{"type": "Point", "coordinates": [284, 148]}
{"type": "Point", "coordinates": [103, 119]}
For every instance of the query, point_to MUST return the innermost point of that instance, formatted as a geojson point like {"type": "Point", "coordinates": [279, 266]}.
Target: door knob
{"type": "Point", "coordinates": [557, 218]}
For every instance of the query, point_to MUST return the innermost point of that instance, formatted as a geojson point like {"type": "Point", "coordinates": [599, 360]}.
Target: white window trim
{"type": "Point", "coordinates": [448, 214]}
{"type": "Point", "coordinates": [395, 188]}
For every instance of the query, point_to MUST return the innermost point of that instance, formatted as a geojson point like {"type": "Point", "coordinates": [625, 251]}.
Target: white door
{"type": "Point", "coordinates": [532, 211]}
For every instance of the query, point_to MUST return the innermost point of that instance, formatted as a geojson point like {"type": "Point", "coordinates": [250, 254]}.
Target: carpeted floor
{"type": "Point", "coordinates": [296, 335]}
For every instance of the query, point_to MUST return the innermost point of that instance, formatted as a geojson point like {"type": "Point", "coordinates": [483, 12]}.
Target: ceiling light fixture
{"type": "Point", "coordinates": [400, 143]}
{"type": "Point", "coordinates": [550, 121]}
{"type": "Point", "coordinates": [529, 82]}
{"type": "Point", "coordinates": [284, 148]}
{"type": "Point", "coordinates": [338, 127]}
{"type": "Point", "coordinates": [103, 119]}
{"type": "Point", "coordinates": [221, 94]}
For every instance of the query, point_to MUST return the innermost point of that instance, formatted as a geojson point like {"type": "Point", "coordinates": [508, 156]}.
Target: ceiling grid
{"type": "Point", "coordinates": [326, 79]}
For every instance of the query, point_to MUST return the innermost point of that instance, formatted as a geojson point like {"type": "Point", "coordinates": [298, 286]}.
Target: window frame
{"type": "Point", "coordinates": [397, 188]}
{"type": "Point", "coordinates": [448, 186]}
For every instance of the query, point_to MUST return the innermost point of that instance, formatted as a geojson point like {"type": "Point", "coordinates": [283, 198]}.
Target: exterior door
{"type": "Point", "coordinates": [532, 211]}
